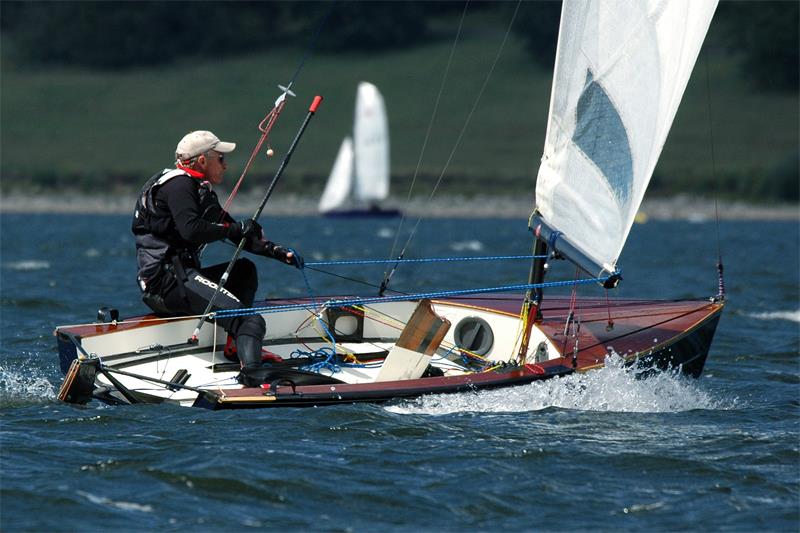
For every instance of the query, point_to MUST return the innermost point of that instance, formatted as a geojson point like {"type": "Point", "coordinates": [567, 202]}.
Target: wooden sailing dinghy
{"type": "Point", "coordinates": [143, 361]}
{"type": "Point", "coordinates": [621, 69]}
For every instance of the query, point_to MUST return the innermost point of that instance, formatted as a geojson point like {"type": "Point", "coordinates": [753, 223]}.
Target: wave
{"type": "Point", "coordinates": [791, 316]}
{"type": "Point", "coordinates": [613, 388]}
{"type": "Point", "coordinates": [27, 264]}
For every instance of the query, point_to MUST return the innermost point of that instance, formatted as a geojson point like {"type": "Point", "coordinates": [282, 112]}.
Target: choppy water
{"type": "Point", "coordinates": [600, 451]}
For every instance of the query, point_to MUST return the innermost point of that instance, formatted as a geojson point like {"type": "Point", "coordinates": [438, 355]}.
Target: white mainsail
{"type": "Point", "coordinates": [371, 145]}
{"type": "Point", "coordinates": [340, 181]}
{"type": "Point", "coordinates": [621, 69]}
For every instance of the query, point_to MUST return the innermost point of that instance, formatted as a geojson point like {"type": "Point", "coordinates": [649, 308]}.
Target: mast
{"type": "Point", "coordinates": [531, 307]}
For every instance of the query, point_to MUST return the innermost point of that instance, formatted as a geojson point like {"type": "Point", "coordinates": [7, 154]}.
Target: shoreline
{"type": "Point", "coordinates": [676, 208]}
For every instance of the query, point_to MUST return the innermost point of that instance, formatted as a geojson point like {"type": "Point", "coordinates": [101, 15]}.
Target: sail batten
{"type": "Point", "coordinates": [621, 69]}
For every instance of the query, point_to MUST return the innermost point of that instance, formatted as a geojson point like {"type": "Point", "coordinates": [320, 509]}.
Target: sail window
{"type": "Point", "coordinates": [601, 135]}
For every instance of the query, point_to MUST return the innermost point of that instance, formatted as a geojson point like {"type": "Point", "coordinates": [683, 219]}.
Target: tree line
{"type": "Point", "coordinates": [124, 35]}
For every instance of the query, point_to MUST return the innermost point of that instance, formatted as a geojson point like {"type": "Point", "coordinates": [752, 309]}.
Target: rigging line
{"type": "Point", "coordinates": [349, 302]}
{"type": "Point", "coordinates": [312, 43]}
{"type": "Point", "coordinates": [628, 333]}
{"type": "Point", "coordinates": [362, 312]}
{"type": "Point", "coordinates": [458, 140]}
{"type": "Point", "coordinates": [265, 130]}
{"type": "Point", "coordinates": [571, 315]}
{"type": "Point", "coordinates": [430, 127]}
{"type": "Point", "coordinates": [713, 155]}
{"type": "Point", "coordinates": [310, 266]}
{"type": "Point", "coordinates": [354, 280]}
{"type": "Point", "coordinates": [265, 126]}
{"type": "Point", "coordinates": [128, 321]}
{"type": "Point", "coordinates": [313, 264]}
{"type": "Point", "coordinates": [721, 283]}
{"type": "Point", "coordinates": [423, 260]}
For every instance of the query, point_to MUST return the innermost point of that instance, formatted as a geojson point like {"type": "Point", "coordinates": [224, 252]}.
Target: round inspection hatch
{"type": "Point", "coordinates": [474, 334]}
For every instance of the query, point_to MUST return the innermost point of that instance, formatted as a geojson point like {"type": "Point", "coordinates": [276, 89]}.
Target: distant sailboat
{"type": "Point", "coordinates": [359, 179]}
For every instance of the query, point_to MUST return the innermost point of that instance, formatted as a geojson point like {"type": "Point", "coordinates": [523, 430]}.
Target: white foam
{"type": "Point", "coordinates": [613, 388]}
{"type": "Point", "coordinates": [29, 264]}
{"type": "Point", "coordinates": [107, 502]}
{"type": "Point", "coordinates": [23, 383]}
{"type": "Point", "coordinates": [467, 246]}
{"type": "Point", "coordinates": [791, 316]}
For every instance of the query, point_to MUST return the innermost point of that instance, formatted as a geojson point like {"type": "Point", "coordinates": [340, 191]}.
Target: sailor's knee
{"type": "Point", "coordinates": [252, 325]}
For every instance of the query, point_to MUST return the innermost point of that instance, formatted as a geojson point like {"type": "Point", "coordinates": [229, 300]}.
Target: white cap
{"type": "Point", "coordinates": [200, 142]}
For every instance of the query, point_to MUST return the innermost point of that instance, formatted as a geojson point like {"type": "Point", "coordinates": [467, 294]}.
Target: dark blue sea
{"type": "Point", "coordinates": [602, 451]}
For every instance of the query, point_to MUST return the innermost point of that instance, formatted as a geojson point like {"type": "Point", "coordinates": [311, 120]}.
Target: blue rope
{"type": "Point", "coordinates": [551, 242]}
{"type": "Point", "coordinates": [314, 301]}
{"type": "Point", "coordinates": [308, 286]}
{"type": "Point", "coordinates": [329, 363]}
{"type": "Point", "coordinates": [429, 260]}
{"type": "Point", "coordinates": [403, 297]}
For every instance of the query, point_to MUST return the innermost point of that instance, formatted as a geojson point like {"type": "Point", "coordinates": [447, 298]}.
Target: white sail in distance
{"type": "Point", "coordinates": [621, 69]}
{"type": "Point", "coordinates": [371, 145]}
{"type": "Point", "coordinates": [340, 182]}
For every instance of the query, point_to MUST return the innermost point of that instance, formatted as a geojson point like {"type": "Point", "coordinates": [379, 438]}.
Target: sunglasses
{"type": "Point", "coordinates": [220, 157]}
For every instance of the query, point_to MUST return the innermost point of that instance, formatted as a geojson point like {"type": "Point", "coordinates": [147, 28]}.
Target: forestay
{"type": "Point", "coordinates": [371, 145]}
{"type": "Point", "coordinates": [621, 70]}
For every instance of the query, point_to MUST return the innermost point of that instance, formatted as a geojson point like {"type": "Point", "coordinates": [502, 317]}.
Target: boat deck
{"type": "Point", "coordinates": [626, 327]}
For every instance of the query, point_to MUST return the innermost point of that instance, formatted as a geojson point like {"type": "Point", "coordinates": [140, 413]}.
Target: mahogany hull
{"type": "Point", "coordinates": [686, 353]}
{"type": "Point", "coordinates": [654, 335]}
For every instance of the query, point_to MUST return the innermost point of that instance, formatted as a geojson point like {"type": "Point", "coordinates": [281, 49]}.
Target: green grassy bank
{"type": "Point", "coordinates": [78, 129]}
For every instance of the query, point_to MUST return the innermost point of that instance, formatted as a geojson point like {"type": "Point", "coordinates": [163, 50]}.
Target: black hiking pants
{"type": "Point", "coordinates": [187, 291]}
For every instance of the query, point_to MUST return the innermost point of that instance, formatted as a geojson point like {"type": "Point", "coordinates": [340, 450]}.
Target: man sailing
{"type": "Point", "coordinates": [177, 213]}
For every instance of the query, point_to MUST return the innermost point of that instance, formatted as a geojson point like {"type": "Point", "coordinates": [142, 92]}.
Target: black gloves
{"type": "Point", "coordinates": [275, 251]}
{"type": "Point", "coordinates": [253, 234]}
{"type": "Point", "coordinates": [249, 229]}
{"type": "Point", "coordinates": [259, 247]}
{"type": "Point", "coordinates": [299, 262]}
{"type": "Point", "coordinates": [282, 254]}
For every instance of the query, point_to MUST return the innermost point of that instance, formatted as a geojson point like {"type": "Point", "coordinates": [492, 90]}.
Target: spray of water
{"type": "Point", "coordinates": [23, 384]}
{"type": "Point", "coordinates": [613, 388]}
{"type": "Point", "coordinates": [791, 316]}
